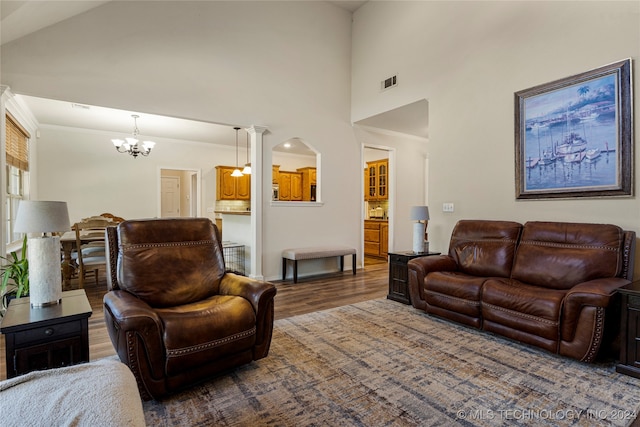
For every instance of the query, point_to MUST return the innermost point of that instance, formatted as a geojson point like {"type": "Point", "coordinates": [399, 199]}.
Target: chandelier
{"type": "Point", "coordinates": [130, 145]}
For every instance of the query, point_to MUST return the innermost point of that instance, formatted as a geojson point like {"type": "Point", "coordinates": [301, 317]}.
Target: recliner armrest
{"type": "Point", "coordinates": [594, 293]}
{"type": "Point", "coordinates": [418, 268]}
{"type": "Point", "coordinates": [260, 295]}
{"type": "Point", "coordinates": [126, 313]}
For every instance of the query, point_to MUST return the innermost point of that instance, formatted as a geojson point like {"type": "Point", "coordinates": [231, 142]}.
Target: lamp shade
{"type": "Point", "coordinates": [36, 216]}
{"type": "Point", "coordinates": [419, 213]}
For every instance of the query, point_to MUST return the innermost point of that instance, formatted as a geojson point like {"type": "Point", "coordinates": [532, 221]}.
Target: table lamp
{"type": "Point", "coordinates": [420, 214]}
{"type": "Point", "coordinates": [43, 251]}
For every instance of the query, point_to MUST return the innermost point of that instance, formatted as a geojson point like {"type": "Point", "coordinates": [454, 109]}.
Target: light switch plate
{"type": "Point", "coordinates": [447, 207]}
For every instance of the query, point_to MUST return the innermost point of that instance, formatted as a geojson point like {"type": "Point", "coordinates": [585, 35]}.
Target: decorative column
{"type": "Point", "coordinates": [257, 183]}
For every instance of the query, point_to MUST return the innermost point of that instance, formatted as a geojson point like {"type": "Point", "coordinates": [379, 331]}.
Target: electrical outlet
{"type": "Point", "coordinates": [447, 207]}
{"type": "Point", "coordinates": [210, 210]}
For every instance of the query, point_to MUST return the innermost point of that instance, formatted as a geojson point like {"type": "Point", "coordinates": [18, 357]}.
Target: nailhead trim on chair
{"type": "Point", "coordinates": [125, 248]}
{"type": "Point", "coordinates": [211, 344]}
{"type": "Point", "coordinates": [597, 331]}
{"type": "Point", "coordinates": [568, 246]}
{"type": "Point", "coordinates": [133, 365]}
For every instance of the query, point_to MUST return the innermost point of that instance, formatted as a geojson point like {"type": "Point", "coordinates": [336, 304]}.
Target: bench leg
{"type": "Point", "coordinates": [284, 269]}
{"type": "Point", "coordinates": [353, 264]}
{"type": "Point", "coordinates": [341, 262]}
{"type": "Point", "coordinates": [295, 271]}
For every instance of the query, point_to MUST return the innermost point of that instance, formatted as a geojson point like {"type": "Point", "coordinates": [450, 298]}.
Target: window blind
{"type": "Point", "coordinates": [17, 144]}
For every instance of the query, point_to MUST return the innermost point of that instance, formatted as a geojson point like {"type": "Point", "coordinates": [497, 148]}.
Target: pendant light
{"type": "Point", "coordinates": [247, 166]}
{"type": "Point", "coordinates": [236, 172]}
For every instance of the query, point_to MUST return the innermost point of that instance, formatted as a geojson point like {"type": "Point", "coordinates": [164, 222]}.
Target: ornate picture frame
{"type": "Point", "coordinates": [574, 136]}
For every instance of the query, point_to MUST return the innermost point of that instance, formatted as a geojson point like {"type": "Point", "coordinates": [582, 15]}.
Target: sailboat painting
{"type": "Point", "coordinates": [574, 136]}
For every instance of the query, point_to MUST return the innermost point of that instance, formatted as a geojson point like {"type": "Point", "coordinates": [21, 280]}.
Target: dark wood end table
{"type": "Point", "coordinates": [399, 274]}
{"type": "Point", "coordinates": [630, 330]}
{"type": "Point", "coordinates": [46, 337]}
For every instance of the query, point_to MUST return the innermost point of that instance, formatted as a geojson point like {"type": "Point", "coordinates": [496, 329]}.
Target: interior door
{"type": "Point", "coordinates": [170, 197]}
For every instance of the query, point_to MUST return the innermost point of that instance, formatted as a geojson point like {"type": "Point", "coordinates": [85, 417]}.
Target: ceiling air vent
{"type": "Point", "coordinates": [389, 82]}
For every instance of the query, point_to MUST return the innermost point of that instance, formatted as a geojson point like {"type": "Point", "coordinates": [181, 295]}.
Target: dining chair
{"type": "Point", "coordinates": [90, 253]}
{"type": "Point", "coordinates": [113, 217]}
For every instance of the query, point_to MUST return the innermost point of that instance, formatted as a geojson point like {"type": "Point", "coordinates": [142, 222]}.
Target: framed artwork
{"type": "Point", "coordinates": [574, 136]}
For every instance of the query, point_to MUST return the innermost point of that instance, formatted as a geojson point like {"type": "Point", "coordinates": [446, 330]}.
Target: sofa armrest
{"type": "Point", "coordinates": [260, 295]}
{"type": "Point", "coordinates": [126, 314]}
{"type": "Point", "coordinates": [418, 268]}
{"type": "Point", "coordinates": [594, 293]}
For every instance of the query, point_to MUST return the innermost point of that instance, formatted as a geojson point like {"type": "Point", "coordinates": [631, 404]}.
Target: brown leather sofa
{"type": "Point", "coordinates": [173, 314]}
{"type": "Point", "coordinates": [548, 284]}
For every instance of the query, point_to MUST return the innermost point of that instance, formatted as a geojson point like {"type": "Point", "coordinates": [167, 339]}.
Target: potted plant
{"type": "Point", "coordinates": [16, 269]}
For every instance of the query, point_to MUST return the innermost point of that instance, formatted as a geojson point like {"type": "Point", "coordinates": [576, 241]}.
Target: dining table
{"type": "Point", "coordinates": [69, 243]}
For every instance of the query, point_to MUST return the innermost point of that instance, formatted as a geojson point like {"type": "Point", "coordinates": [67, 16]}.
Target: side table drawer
{"type": "Point", "coordinates": [633, 301]}
{"type": "Point", "coordinates": [397, 258]}
{"type": "Point", "coordinates": [48, 332]}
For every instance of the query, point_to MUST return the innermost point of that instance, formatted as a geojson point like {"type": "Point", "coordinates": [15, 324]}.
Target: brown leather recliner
{"type": "Point", "coordinates": [173, 315]}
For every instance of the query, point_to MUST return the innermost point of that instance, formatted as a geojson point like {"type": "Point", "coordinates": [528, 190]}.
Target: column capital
{"type": "Point", "coordinates": [256, 129]}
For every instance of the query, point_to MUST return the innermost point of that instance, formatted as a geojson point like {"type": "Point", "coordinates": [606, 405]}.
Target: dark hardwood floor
{"type": "Point", "coordinates": [308, 295]}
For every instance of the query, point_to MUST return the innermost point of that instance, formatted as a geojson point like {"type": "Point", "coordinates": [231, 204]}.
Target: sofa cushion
{"type": "Point", "coordinates": [484, 248]}
{"type": "Point", "coordinates": [559, 255]}
{"type": "Point", "coordinates": [522, 307]}
{"type": "Point", "coordinates": [195, 334]}
{"type": "Point", "coordinates": [454, 291]}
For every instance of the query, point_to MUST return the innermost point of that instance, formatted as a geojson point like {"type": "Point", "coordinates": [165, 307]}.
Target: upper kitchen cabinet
{"type": "Point", "coordinates": [230, 187]}
{"type": "Point", "coordinates": [290, 186]}
{"type": "Point", "coordinates": [295, 167]}
{"type": "Point", "coordinates": [308, 183]}
{"type": "Point", "coordinates": [376, 180]}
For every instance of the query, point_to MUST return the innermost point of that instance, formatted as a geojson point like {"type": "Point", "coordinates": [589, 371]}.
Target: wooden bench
{"type": "Point", "coordinates": [297, 254]}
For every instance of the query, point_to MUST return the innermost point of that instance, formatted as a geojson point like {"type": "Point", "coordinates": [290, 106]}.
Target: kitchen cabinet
{"type": "Point", "coordinates": [275, 174]}
{"type": "Point", "coordinates": [290, 186]}
{"type": "Point", "coordinates": [384, 238]}
{"type": "Point", "coordinates": [308, 183]}
{"type": "Point", "coordinates": [376, 238]}
{"type": "Point", "coordinates": [231, 187]}
{"type": "Point", "coordinates": [376, 178]}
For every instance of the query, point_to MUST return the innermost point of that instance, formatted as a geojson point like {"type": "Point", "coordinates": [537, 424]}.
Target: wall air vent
{"type": "Point", "coordinates": [389, 82]}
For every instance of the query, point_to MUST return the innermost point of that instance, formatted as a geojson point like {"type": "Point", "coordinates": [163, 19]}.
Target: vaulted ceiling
{"type": "Point", "coordinates": [22, 17]}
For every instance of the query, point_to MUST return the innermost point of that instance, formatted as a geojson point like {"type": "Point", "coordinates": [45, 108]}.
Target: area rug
{"type": "Point", "coordinates": [382, 363]}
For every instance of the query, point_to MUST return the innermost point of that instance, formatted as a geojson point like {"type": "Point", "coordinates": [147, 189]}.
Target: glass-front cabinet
{"type": "Point", "coordinates": [376, 178]}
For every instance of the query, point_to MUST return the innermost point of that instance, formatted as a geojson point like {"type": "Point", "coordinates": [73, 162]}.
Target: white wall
{"type": "Point", "coordinates": [82, 167]}
{"type": "Point", "coordinates": [467, 59]}
{"type": "Point", "coordinates": [284, 65]}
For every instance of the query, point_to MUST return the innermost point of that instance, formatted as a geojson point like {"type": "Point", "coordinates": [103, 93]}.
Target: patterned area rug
{"type": "Point", "coordinates": [381, 363]}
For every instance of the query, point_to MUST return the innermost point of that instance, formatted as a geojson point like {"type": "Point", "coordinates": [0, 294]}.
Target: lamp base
{"type": "Point", "coordinates": [46, 304]}
{"type": "Point", "coordinates": [45, 278]}
{"type": "Point", "coordinates": [418, 237]}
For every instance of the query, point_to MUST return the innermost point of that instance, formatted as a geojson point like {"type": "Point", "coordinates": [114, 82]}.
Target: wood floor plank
{"type": "Point", "coordinates": [308, 295]}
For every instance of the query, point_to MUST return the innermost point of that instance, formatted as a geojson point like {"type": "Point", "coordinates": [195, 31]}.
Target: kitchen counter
{"type": "Point", "coordinates": [234, 212]}
{"type": "Point", "coordinates": [378, 219]}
